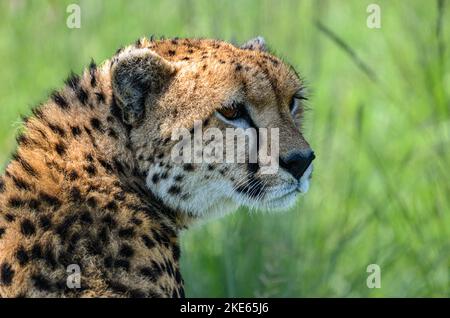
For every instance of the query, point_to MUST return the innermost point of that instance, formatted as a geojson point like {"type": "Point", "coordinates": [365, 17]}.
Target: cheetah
{"type": "Point", "coordinates": [92, 183]}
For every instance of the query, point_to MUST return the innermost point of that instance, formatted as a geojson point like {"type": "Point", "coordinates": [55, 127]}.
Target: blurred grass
{"type": "Point", "coordinates": [381, 188]}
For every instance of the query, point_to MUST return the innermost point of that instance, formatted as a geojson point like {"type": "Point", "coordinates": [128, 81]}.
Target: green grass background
{"type": "Point", "coordinates": [381, 186]}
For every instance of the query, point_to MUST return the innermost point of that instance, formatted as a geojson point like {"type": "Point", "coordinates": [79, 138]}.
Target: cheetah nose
{"type": "Point", "coordinates": [297, 162]}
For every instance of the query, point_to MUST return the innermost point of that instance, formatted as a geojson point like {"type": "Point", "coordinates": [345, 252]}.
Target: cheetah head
{"type": "Point", "coordinates": [180, 97]}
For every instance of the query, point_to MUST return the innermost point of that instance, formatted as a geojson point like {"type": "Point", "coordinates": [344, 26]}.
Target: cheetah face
{"type": "Point", "coordinates": [180, 97]}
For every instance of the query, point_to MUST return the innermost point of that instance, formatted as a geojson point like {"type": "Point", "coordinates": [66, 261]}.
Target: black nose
{"type": "Point", "coordinates": [297, 162]}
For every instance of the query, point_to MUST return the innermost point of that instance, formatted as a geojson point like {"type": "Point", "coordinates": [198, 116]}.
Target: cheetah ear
{"type": "Point", "coordinates": [257, 43]}
{"type": "Point", "coordinates": [136, 76]}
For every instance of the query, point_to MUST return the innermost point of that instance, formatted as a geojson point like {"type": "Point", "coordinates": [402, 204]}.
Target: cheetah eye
{"type": "Point", "coordinates": [295, 101]}
{"type": "Point", "coordinates": [231, 112]}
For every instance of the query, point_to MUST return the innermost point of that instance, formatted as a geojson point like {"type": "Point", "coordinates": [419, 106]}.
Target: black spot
{"type": "Point", "coordinates": [57, 129]}
{"type": "Point", "coordinates": [92, 70]}
{"type": "Point", "coordinates": [50, 258]}
{"type": "Point", "coordinates": [178, 178]}
{"type": "Point", "coordinates": [104, 235]}
{"type": "Point", "coordinates": [105, 165]}
{"type": "Point", "coordinates": [100, 97]}
{"type": "Point", "coordinates": [73, 175]}
{"type": "Point", "coordinates": [161, 238]}
{"type": "Point", "coordinates": [155, 178]}
{"type": "Point", "coordinates": [86, 217]}
{"type": "Point", "coordinates": [75, 194]}
{"type": "Point", "coordinates": [88, 131]}
{"type": "Point", "coordinates": [22, 256]}
{"type": "Point", "coordinates": [22, 140]}
{"type": "Point", "coordinates": [111, 206]}
{"type": "Point", "coordinates": [27, 227]}
{"type": "Point", "coordinates": [150, 273]}
{"type": "Point", "coordinates": [126, 251]}
{"type": "Point", "coordinates": [174, 190]}
{"type": "Point", "coordinates": [210, 167]}
{"type": "Point", "coordinates": [73, 81]}
{"type": "Point", "coordinates": [178, 277]}
{"type": "Point", "coordinates": [16, 202]}
{"type": "Point", "coordinates": [44, 222]}
{"type": "Point", "coordinates": [238, 67]}
{"type": "Point", "coordinates": [41, 283]}
{"type": "Point", "coordinates": [108, 262]}
{"type": "Point", "coordinates": [136, 293]}
{"type": "Point", "coordinates": [176, 251]}
{"type": "Point", "coordinates": [92, 202]}
{"type": "Point", "coordinates": [89, 157]}
{"type": "Point", "coordinates": [95, 247]}
{"type": "Point", "coordinates": [34, 204]}
{"type": "Point", "coordinates": [109, 221]}
{"type": "Point", "coordinates": [119, 167]}
{"type": "Point", "coordinates": [65, 225]}
{"type": "Point", "coordinates": [126, 232]}
{"type": "Point", "coordinates": [60, 148]}
{"type": "Point", "coordinates": [136, 220]}
{"type": "Point", "coordinates": [50, 199]}
{"type": "Point", "coordinates": [117, 287]}
{"type": "Point", "coordinates": [171, 52]}
{"type": "Point", "coordinates": [20, 183]}
{"type": "Point", "coordinates": [96, 124]}
{"type": "Point", "coordinates": [59, 100]}
{"type": "Point", "coordinates": [82, 95]}
{"type": "Point", "coordinates": [122, 263]}
{"type": "Point", "coordinates": [148, 241]}
{"type": "Point", "coordinates": [76, 131]}
{"type": "Point", "coordinates": [36, 251]}
{"type": "Point", "coordinates": [2, 231]}
{"type": "Point", "coordinates": [188, 167]}
{"type": "Point", "coordinates": [138, 43]}
{"type": "Point", "coordinates": [6, 274]}
{"type": "Point", "coordinates": [9, 217]}
{"type": "Point", "coordinates": [112, 133]}
{"type": "Point", "coordinates": [2, 185]}
{"type": "Point", "coordinates": [164, 175]}
{"type": "Point", "coordinates": [91, 170]}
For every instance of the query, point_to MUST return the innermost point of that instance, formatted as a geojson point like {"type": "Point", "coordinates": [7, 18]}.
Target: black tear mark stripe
{"type": "Point", "coordinates": [254, 187]}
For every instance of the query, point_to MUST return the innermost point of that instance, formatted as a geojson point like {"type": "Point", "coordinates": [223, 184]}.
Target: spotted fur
{"type": "Point", "coordinates": [92, 183]}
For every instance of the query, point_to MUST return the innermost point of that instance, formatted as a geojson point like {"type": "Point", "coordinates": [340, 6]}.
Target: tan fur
{"type": "Point", "coordinates": [77, 192]}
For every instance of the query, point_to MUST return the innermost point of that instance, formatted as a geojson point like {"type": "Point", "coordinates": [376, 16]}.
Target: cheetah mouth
{"type": "Point", "coordinates": [282, 197]}
{"type": "Point", "coordinates": [303, 183]}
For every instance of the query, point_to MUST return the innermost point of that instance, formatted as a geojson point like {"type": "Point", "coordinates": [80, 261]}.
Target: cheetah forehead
{"type": "Point", "coordinates": [248, 66]}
